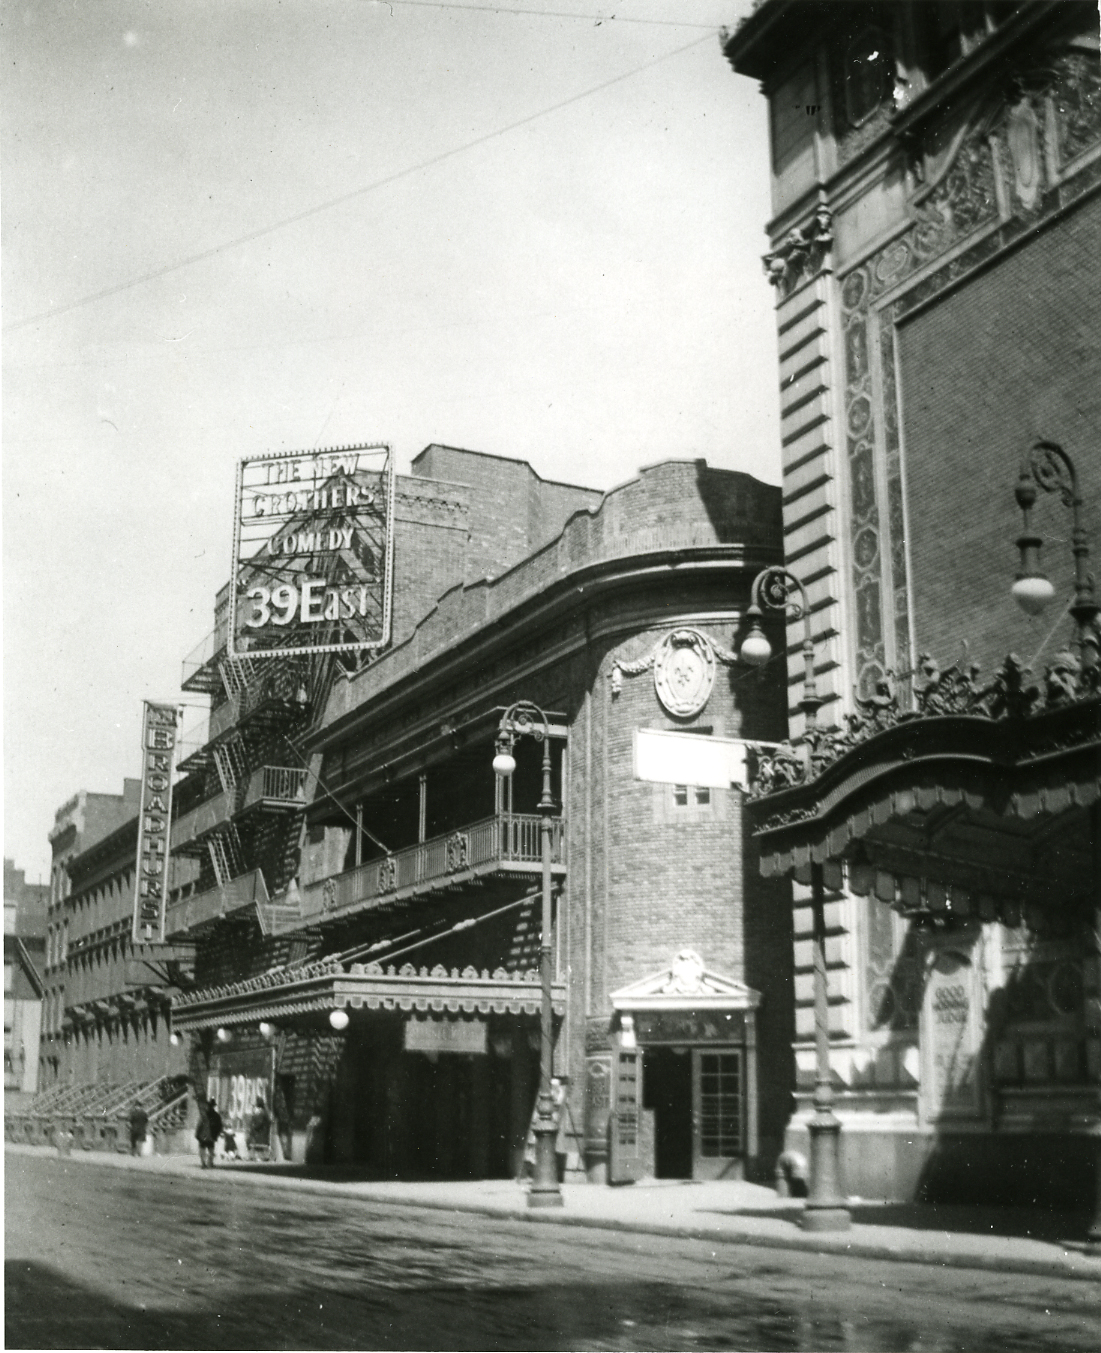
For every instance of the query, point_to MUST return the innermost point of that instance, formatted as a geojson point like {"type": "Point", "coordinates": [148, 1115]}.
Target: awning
{"type": "Point", "coordinates": [317, 988]}
{"type": "Point", "coordinates": [965, 813]}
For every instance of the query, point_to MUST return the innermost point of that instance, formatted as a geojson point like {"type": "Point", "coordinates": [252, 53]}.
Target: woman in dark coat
{"type": "Point", "coordinates": [208, 1131]}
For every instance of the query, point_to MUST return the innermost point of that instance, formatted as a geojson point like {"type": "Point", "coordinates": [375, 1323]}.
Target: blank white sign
{"type": "Point", "coordinates": [689, 759]}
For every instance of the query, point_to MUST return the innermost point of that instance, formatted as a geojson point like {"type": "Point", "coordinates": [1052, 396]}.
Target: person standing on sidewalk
{"type": "Point", "coordinates": [139, 1121]}
{"type": "Point", "coordinates": [207, 1132]}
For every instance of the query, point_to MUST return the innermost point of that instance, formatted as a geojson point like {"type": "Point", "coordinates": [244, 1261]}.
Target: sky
{"type": "Point", "coordinates": [231, 227]}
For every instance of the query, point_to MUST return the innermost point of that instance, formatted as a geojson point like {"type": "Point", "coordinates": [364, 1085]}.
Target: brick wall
{"type": "Point", "coordinates": [517, 511]}
{"type": "Point", "coordinates": [1013, 356]}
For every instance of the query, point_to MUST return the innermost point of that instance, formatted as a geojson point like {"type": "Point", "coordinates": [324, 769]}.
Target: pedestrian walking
{"type": "Point", "coordinates": [139, 1121]}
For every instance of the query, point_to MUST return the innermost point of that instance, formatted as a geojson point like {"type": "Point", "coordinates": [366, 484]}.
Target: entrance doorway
{"type": "Point", "coordinates": [668, 1091]}
{"type": "Point", "coordinates": [696, 1096]}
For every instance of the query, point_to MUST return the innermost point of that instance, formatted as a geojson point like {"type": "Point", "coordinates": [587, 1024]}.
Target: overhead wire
{"type": "Point", "coordinates": [598, 19]}
{"type": "Point", "coordinates": [307, 213]}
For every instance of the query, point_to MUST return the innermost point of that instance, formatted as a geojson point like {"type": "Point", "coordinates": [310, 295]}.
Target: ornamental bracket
{"type": "Point", "coordinates": [801, 253]}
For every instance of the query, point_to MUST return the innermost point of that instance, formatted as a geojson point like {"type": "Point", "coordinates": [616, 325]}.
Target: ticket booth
{"type": "Point", "coordinates": [683, 1075]}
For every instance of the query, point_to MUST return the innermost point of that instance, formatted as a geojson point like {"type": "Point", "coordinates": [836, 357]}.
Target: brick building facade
{"type": "Point", "coordinates": [412, 915]}
{"type": "Point", "coordinates": [937, 209]}
{"type": "Point", "coordinates": [80, 822]}
{"type": "Point", "coordinates": [115, 1015]}
{"type": "Point", "coordinates": [24, 953]}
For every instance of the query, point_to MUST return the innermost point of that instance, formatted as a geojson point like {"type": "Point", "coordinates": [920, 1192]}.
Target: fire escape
{"type": "Point", "coordinates": [245, 790]}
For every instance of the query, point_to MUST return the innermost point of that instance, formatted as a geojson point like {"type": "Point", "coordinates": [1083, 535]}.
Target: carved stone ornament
{"type": "Point", "coordinates": [708, 649]}
{"type": "Point", "coordinates": [685, 973]}
{"type": "Point", "coordinates": [684, 672]}
{"type": "Point", "coordinates": [801, 252]}
{"type": "Point", "coordinates": [953, 690]}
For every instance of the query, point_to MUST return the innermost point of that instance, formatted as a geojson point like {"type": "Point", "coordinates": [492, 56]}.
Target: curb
{"type": "Point", "coordinates": [1071, 1264]}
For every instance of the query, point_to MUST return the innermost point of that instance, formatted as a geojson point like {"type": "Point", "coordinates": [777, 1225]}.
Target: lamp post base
{"type": "Point", "coordinates": [825, 1209]}
{"type": "Point", "coordinates": [545, 1189]}
{"type": "Point", "coordinates": [538, 1197]}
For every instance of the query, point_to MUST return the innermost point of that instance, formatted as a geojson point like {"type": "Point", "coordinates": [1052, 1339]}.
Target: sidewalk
{"type": "Point", "coordinates": [1005, 1239]}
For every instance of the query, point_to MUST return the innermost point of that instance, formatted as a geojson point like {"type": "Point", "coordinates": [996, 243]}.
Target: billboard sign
{"type": "Point", "coordinates": [313, 552]}
{"type": "Point", "coordinates": [239, 1080]}
{"type": "Point", "coordinates": [158, 754]}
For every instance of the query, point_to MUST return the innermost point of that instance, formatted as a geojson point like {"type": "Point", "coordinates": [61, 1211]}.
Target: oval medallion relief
{"type": "Point", "coordinates": [684, 672]}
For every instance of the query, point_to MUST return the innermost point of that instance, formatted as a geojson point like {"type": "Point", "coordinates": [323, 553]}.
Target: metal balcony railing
{"type": "Point", "coordinates": [276, 788]}
{"type": "Point", "coordinates": [482, 847]}
{"type": "Point", "coordinates": [200, 671]}
{"type": "Point", "coordinates": [200, 909]}
{"type": "Point", "coordinates": [277, 785]}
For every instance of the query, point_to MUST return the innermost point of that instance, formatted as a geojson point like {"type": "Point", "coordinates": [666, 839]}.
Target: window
{"type": "Point", "coordinates": [952, 28]}
{"type": "Point", "coordinates": [869, 74]}
{"type": "Point", "coordinates": [688, 803]}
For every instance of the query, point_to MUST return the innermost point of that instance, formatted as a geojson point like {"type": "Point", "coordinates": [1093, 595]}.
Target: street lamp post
{"type": "Point", "coordinates": [520, 719]}
{"type": "Point", "coordinates": [775, 589]}
{"type": "Point", "coordinates": [1047, 466]}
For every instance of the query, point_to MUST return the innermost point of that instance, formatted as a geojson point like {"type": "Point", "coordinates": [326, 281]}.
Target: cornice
{"type": "Point", "coordinates": [111, 854]}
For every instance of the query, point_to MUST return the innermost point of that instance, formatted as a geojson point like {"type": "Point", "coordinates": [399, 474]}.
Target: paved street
{"type": "Point", "coordinates": [126, 1259]}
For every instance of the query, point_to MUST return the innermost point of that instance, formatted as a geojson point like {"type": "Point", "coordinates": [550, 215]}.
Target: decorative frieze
{"type": "Point", "coordinates": [953, 690]}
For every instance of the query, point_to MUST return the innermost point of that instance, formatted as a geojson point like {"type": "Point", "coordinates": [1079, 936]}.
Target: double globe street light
{"type": "Point", "coordinates": [524, 719]}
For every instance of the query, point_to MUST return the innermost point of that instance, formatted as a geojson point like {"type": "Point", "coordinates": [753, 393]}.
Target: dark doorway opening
{"type": "Point", "coordinates": [668, 1092]}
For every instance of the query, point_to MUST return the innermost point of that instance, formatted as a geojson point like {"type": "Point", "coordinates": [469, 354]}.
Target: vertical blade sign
{"type": "Point", "coordinates": [158, 751]}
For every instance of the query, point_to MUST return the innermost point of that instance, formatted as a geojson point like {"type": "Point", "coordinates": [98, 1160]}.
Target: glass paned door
{"type": "Point", "coordinates": [717, 1114]}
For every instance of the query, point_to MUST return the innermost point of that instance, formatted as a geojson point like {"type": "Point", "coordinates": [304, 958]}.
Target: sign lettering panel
{"type": "Point", "coordinates": [312, 552]}
{"type": "Point", "coordinates": [445, 1035]}
{"type": "Point", "coordinates": [689, 759]}
{"type": "Point", "coordinates": [158, 752]}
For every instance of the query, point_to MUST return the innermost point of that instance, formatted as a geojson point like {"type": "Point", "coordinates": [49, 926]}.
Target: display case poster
{"type": "Point", "coordinates": [237, 1080]}
{"type": "Point", "coordinates": [950, 1037]}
